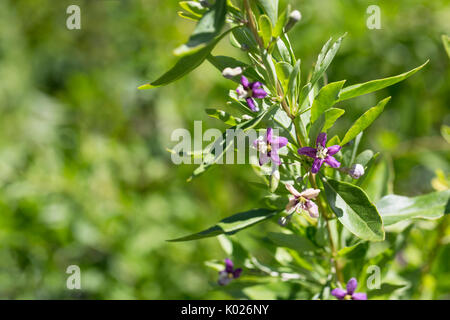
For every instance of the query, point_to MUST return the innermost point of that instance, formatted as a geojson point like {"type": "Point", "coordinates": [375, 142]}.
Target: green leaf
{"type": "Point", "coordinates": [386, 289]}
{"type": "Point", "coordinates": [375, 85]}
{"type": "Point", "coordinates": [232, 224]}
{"type": "Point", "coordinates": [325, 122]}
{"type": "Point", "coordinates": [208, 27]}
{"type": "Point", "coordinates": [242, 37]}
{"type": "Point", "coordinates": [324, 60]}
{"type": "Point", "coordinates": [357, 251]}
{"type": "Point", "coordinates": [445, 132]}
{"type": "Point", "coordinates": [211, 158]}
{"type": "Point", "coordinates": [446, 42]}
{"type": "Point", "coordinates": [395, 208]}
{"type": "Point", "coordinates": [378, 182]}
{"type": "Point", "coordinates": [188, 15]}
{"type": "Point", "coordinates": [325, 99]}
{"type": "Point", "coordinates": [278, 28]}
{"type": "Point", "coordinates": [222, 62]}
{"type": "Point", "coordinates": [354, 210]}
{"type": "Point", "coordinates": [271, 9]}
{"type": "Point", "coordinates": [185, 65]}
{"type": "Point", "coordinates": [265, 27]}
{"type": "Point", "coordinates": [193, 7]}
{"type": "Point", "coordinates": [284, 71]}
{"type": "Point", "coordinates": [294, 80]}
{"type": "Point", "coordinates": [223, 116]}
{"type": "Point", "coordinates": [292, 241]}
{"type": "Point", "coordinates": [364, 121]}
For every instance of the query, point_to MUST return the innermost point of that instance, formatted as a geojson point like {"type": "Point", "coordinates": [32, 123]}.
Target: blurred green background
{"type": "Point", "coordinates": [85, 178]}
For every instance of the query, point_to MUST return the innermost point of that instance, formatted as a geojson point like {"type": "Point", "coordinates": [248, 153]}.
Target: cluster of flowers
{"type": "Point", "coordinates": [268, 147]}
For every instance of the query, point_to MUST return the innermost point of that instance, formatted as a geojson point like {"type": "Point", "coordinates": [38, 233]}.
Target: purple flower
{"type": "Point", "coordinates": [321, 153]}
{"type": "Point", "coordinates": [229, 273]}
{"type": "Point", "coordinates": [268, 146]}
{"type": "Point", "coordinates": [249, 90]}
{"type": "Point", "coordinates": [302, 201]}
{"type": "Point", "coordinates": [349, 294]}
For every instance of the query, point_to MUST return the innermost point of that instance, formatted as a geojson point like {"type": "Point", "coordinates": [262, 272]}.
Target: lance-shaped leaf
{"type": "Point", "coordinates": [292, 241]}
{"type": "Point", "coordinates": [354, 210]}
{"type": "Point", "coordinates": [265, 27]}
{"type": "Point", "coordinates": [375, 85]}
{"type": "Point", "coordinates": [223, 116]}
{"type": "Point", "coordinates": [446, 42]}
{"type": "Point", "coordinates": [325, 99]}
{"type": "Point", "coordinates": [222, 62]}
{"type": "Point", "coordinates": [232, 224]}
{"type": "Point", "coordinates": [271, 9]}
{"type": "Point", "coordinates": [324, 60]}
{"type": "Point", "coordinates": [208, 27]}
{"type": "Point", "coordinates": [395, 208]}
{"type": "Point", "coordinates": [364, 121]}
{"type": "Point", "coordinates": [185, 65]}
{"type": "Point", "coordinates": [225, 142]}
{"type": "Point", "coordinates": [324, 122]}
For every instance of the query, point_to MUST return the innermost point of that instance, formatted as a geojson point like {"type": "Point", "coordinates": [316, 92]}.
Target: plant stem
{"type": "Point", "coordinates": [252, 24]}
{"type": "Point", "coordinates": [312, 179]}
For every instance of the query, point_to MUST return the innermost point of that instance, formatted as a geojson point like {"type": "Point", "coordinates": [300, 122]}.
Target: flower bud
{"type": "Point", "coordinates": [230, 73]}
{"type": "Point", "coordinates": [205, 3]}
{"type": "Point", "coordinates": [284, 221]}
{"type": "Point", "coordinates": [356, 171]}
{"type": "Point", "coordinates": [294, 17]}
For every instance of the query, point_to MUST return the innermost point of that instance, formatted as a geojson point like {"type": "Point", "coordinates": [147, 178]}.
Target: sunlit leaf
{"type": "Point", "coordinates": [325, 99]}
{"type": "Point", "coordinates": [232, 224]}
{"type": "Point", "coordinates": [354, 210]}
{"type": "Point", "coordinates": [208, 27]}
{"type": "Point", "coordinates": [394, 208]}
{"type": "Point", "coordinates": [185, 65]}
{"type": "Point", "coordinates": [374, 85]}
{"type": "Point", "coordinates": [364, 121]}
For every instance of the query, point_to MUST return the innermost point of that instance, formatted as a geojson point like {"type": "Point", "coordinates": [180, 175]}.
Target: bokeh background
{"type": "Point", "coordinates": [85, 178]}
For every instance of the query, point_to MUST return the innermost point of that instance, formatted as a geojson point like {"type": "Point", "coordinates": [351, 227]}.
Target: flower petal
{"type": "Point", "coordinates": [351, 286]}
{"type": "Point", "coordinates": [321, 139]}
{"type": "Point", "coordinates": [338, 293]}
{"type": "Point", "coordinates": [307, 151]}
{"type": "Point", "coordinates": [292, 190]}
{"type": "Point", "coordinates": [278, 142]}
{"type": "Point", "coordinates": [312, 209]}
{"type": "Point", "coordinates": [255, 85]}
{"type": "Point", "coordinates": [316, 165]}
{"type": "Point", "coordinates": [333, 149]}
{"type": "Point", "coordinates": [332, 162]}
{"type": "Point", "coordinates": [292, 204]}
{"type": "Point", "coordinates": [269, 135]}
{"type": "Point", "coordinates": [228, 265]}
{"type": "Point", "coordinates": [263, 158]}
{"type": "Point", "coordinates": [310, 193]}
{"type": "Point", "coordinates": [259, 93]}
{"type": "Point", "coordinates": [245, 83]}
{"type": "Point", "coordinates": [251, 104]}
{"type": "Point", "coordinates": [359, 296]}
{"type": "Point", "coordinates": [237, 273]}
{"type": "Point", "coordinates": [223, 278]}
{"type": "Point", "coordinates": [275, 157]}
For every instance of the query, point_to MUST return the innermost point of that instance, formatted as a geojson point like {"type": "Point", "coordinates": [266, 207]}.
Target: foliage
{"type": "Point", "coordinates": [85, 178]}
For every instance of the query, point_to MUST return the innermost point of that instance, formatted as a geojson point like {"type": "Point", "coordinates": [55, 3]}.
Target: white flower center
{"type": "Point", "coordinates": [321, 152]}
{"type": "Point", "coordinates": [243, 94]}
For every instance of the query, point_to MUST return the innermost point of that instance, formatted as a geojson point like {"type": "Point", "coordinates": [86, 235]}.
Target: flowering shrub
{"type": "Point", "coordinates": [317, 180]}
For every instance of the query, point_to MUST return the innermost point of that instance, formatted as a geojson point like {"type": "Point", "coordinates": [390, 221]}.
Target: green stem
{"type": "Point", "coordinates": [322, 208]}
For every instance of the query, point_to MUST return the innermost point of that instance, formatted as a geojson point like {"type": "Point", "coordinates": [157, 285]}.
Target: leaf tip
{"type": "Point", "coordinates": [145, 86]}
